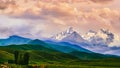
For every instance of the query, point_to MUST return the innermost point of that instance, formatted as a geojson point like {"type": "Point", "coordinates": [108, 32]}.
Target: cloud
{"type": "Point", "coordinates": [43, 19]}
{"type": "Point", "coordinates": [9, 26]}
{"type": "Point", "coordinates": [102, 1]}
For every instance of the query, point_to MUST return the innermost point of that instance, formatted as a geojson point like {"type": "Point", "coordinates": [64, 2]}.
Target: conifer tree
{"type": "Point", "coordinates": [26, 58]}
{"type": "Point", "coordinates": [16, 54]}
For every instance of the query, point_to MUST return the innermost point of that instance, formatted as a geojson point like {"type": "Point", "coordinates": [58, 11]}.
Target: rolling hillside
{"type": "Point", "coordinates": [5, 56]}
{"type": "Point", "coordinates": [62, 47]}
{"type": "Point", "coordinates": [37, 53]}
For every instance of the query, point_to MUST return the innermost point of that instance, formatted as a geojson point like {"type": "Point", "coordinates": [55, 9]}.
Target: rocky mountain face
{"type": "Point", "coordinates": [96, 41]}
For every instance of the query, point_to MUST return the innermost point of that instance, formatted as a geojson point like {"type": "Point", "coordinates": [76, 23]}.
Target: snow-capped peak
{"type": "Point", "coordinates": [63, 34]}
{"type": "Point", "coordinates": [70, 30]}
{"type": "Point", "coordinates": [69, 35]}
{"type": "Point", "coordinates": [103, 36]}
{"type": "Point", "coordinates": [73, 38]}
{"type": "Point", "coordinates": [100, 37]}
{"type": "Point", "coordinates": [89, 34]}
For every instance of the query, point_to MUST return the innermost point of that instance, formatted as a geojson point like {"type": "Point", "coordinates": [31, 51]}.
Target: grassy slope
{"type": "Point", "coordinates": [39, 54]}
{"type": "Point", "coordinates": [4, 56]}
{"type": "Point", "coordinates": [56, 59]}
{"type": "Point", "coordinates": [86, 55]}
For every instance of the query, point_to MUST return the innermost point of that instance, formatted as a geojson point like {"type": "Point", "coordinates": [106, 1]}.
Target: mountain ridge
{"type": "Point", "coordinates": [14, 39]}
{"type": "Point", "coordinates": [98, 42]}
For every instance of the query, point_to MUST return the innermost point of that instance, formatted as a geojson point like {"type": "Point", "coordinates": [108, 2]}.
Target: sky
{"type": "Point", "coordinates": [45, 18]}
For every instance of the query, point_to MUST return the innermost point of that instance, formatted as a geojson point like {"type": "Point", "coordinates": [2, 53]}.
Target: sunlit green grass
{"type": "Point", "coordinates": [42, 57]}
{"type": "Point", "coordinates": [60, 66]}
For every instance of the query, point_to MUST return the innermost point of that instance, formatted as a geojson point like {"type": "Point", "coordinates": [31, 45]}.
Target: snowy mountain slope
{"type": "Point", "coordinates": [69, 36]}
{"type": "Point", "coordinates": [96, 41]}
{"type": "Point", "coordinates": [102, 37]}
{"type": "Point", "coordinates": [63, 34]}
{"type": "Point", "coordinates": [74, 37]}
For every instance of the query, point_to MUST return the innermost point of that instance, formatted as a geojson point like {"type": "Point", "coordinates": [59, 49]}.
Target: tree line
{"type": "Point", "coordinates": [21, 58]}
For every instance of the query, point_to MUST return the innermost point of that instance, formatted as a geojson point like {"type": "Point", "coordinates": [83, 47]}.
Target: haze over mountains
{"type": "Point", "coordinates": [60, 33]}
{"type": "Point", "coordinates": [103, 37]}
{"type": "Point", "coordinates": [99, 42]}
{"type": "Point", "coordinates": [70, 40]}
{"type": "Point", "coordinates": [14, 40]}
{"type": "Point", "coordinates": [32, 20]}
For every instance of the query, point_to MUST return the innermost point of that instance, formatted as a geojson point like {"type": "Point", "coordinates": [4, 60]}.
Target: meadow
{"type": "Point", "coordinates": [42, 57]}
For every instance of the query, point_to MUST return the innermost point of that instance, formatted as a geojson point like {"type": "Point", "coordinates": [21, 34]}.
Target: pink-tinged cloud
{"type": "Point", "coordinates": [38, 18]}
{"type": "Point", "coordinates": [102, 1]}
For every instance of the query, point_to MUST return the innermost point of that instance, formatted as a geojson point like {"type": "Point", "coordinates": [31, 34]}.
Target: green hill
{"type": "Point", "coordinates": [38, 54]}
{"type": "Point", "coordinates": [56, 47]}
{"type": "Point", "coordinates": [71, 49]}
{"type": "Point", "coordinates": [5, 56]}
{"type": "Point", "coordinates": [56, 59]}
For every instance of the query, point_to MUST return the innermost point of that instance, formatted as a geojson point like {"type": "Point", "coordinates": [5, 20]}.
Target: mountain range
{"type": "Point", "coordinates": [52, 52]}
{"type": "Point", "coordinates": [47, 51]}
{"type": "Point", "coordinates": [98, 42]}
{"type": "Point", "coordinates": [14, 39]}
{"type": "Point", "coordinates": [71, 41]}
